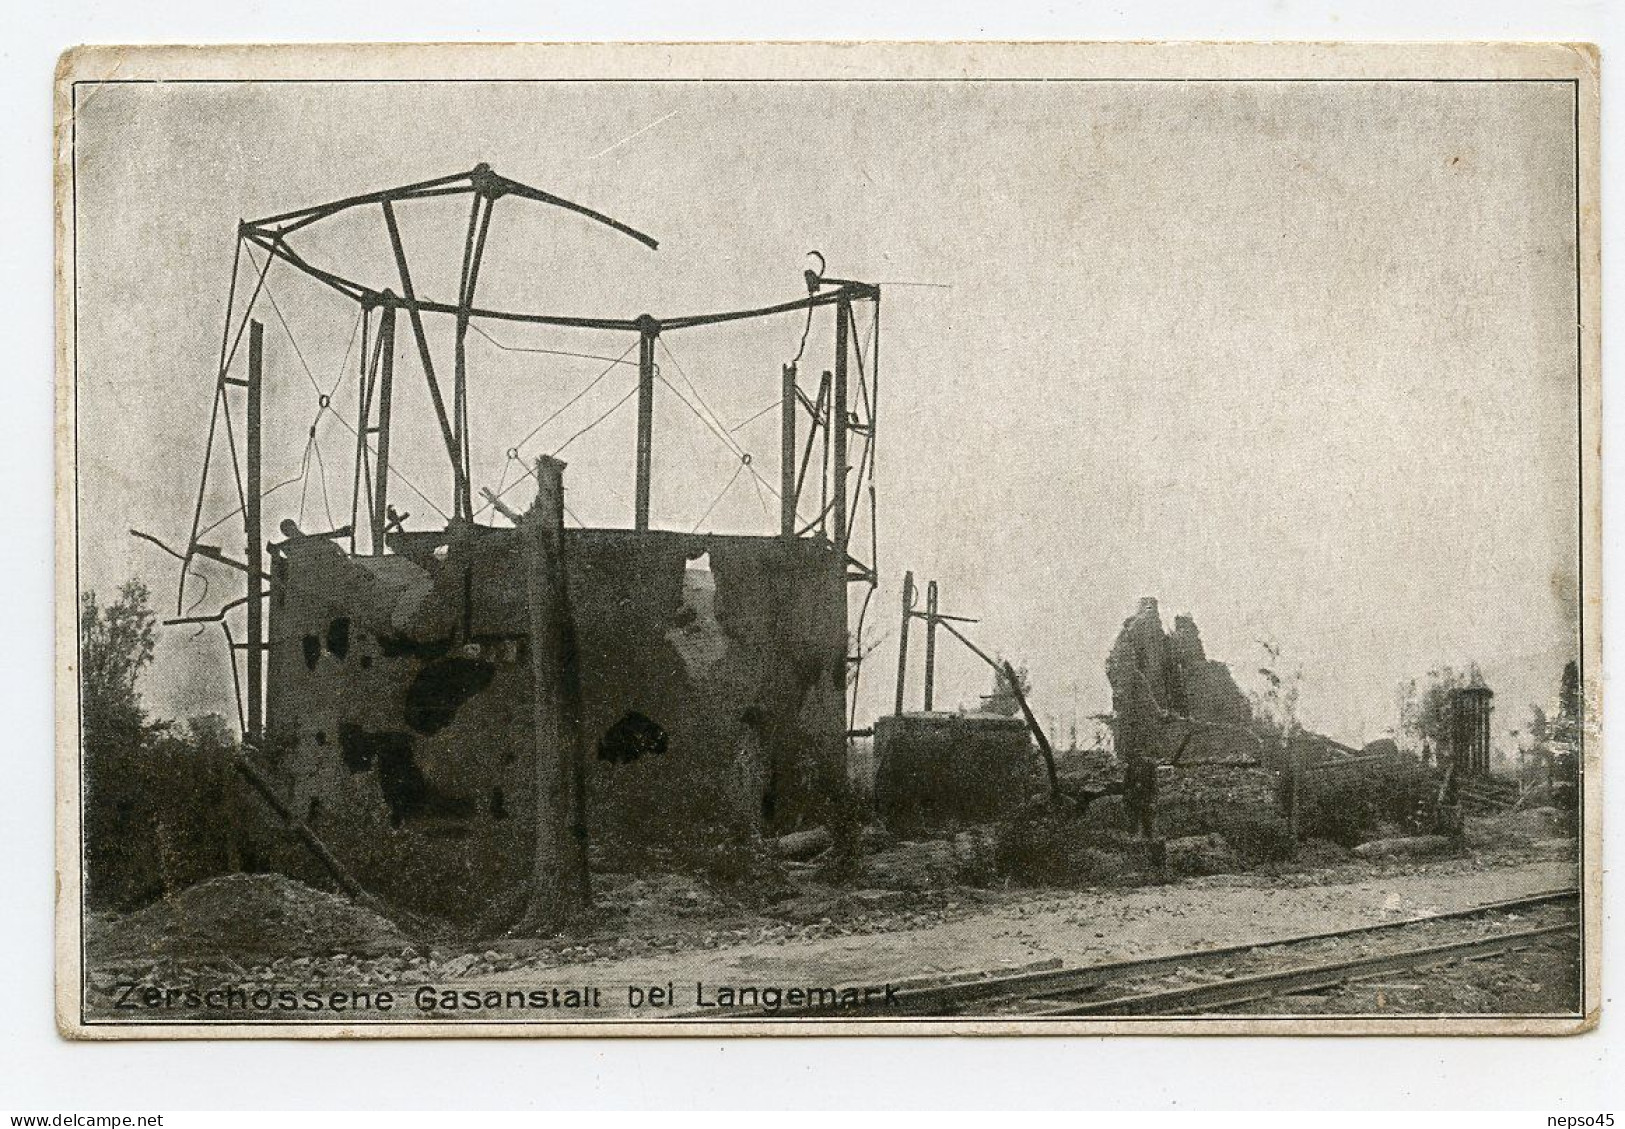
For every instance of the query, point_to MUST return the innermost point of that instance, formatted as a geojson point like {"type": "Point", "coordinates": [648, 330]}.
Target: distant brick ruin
{"type": "Point", "coordinates": [1162, 682]}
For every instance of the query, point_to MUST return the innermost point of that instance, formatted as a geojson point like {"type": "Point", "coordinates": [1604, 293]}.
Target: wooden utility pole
{"type": "Point", "coordinates": [902, 638]}
{"type": "Point", "coordinates": [559, 884]}
{"type": "Point", "coordinates": [255, 539]}
{"type": "Point", "coordinates": [648, 330]}
{"type": "Point", "coordinates": [930, 643]}
{"type": "Point", "coordinates": [787, 453]}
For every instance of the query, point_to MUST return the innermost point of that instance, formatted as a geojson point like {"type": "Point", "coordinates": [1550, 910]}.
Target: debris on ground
{"type": "Point", "coordinates": [805, 844]}
{"type": "Point", "coordinates": [1535, 823]}
{"type": "Point", "coordinates": [911, 865]}
{"type": "Point", "coordinates": [967, 858]}
{"type": "Point", "coordinates": [248, 915]}
{"type": "Point", "coordinates": [1201, 854]}
{"type": "Point", "coordinates": [657, 918]}
{"type": "Point", "coordinates": [1407, 846]}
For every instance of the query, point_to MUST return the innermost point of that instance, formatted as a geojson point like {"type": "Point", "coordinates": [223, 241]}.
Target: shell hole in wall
{"type": "Point", "coordinates": [696, 577]}
{"type": "Point", "coordinates": [338, 637]}
{"type": "Point", "coordinates": [633, 737]}
{"type": "Point", "coordinates": [441, 688]}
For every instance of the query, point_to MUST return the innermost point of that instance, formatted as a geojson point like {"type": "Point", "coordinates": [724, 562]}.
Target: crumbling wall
{"type": "Point", "coordinates": [1190, 795]}
{"type": "Point", "coordinates": [399, 691]}
{"type": "Point", "coordinates": [396, 711]}
{"type": "Point", "coordinates": [1211, 693]}
{"type": "Point", "coordinates": [1159, 679]}
{"type": "Point", "coordinates": [751, 650]}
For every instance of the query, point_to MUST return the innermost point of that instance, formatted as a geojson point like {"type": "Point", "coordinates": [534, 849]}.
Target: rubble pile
{"type": "Point", "coordinates": [247, 915]}
{"type": "Point", "coordinates": [1201, 855]}
{"type": "Point", "coordinates": [1219, 785]}
{"type": "Point", "coordinates": [967, 857]}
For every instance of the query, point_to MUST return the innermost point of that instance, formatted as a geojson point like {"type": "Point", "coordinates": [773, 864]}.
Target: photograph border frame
{"type": "Point", "coordinates": [1576, 65]}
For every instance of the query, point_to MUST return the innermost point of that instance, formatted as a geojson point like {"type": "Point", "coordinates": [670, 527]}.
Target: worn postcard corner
{"type": "Point", "coordinates": [513, 581]}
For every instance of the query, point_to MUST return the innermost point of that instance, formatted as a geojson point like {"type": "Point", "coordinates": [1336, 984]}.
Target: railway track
{"type": "Point", "coordinates": [1225, 994]}
{"type": "Point", "coordinates": [1119, 988]}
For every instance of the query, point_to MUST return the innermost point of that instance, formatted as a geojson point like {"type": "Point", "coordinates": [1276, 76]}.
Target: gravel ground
{"type": "Point", "coordinates": [1471, 986]}
{"type": "Point", "coordinates": [1541, 980]}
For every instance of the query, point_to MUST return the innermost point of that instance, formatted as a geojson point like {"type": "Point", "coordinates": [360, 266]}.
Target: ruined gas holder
{"type": "Point", "coordinates": [447, 716]}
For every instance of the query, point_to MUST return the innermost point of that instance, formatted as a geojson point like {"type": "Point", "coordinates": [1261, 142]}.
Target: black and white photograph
{"type": "Point", "coordinates": [774, 539]}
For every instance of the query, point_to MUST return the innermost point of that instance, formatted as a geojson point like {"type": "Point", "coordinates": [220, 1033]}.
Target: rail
{"type": "Point", "coordinates": [1055, 991]}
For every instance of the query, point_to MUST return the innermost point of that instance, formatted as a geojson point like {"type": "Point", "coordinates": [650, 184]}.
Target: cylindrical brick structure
{"type": "Point", "coordinates": [1470, 708]}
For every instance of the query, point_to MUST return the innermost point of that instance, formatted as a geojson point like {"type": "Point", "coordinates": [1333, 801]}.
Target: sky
{"type": "Point", "coordinates": [1297, 359]}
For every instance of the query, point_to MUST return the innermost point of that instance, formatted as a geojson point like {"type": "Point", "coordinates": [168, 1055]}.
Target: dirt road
{"type": "Point", "coordinates": [1081, 928]}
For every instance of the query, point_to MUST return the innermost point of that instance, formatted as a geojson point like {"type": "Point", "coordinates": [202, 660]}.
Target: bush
{"type": "Point", "coordinates": [1350, 806]}
{"type": "Point", "coordinates": [158, 797]}
{"type": "Point", "coordinates": [159, 814]}
{"type": "Point", "coordinates": [1256, 835]}
{"type": "Point", "coordinates": [1042, 847]}
{"type": "Point", "coordinates": [843, 810]}
{"type": "Point", "coordinates": [729, 864]}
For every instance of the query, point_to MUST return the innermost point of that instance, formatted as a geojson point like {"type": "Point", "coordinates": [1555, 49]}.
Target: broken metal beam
{"type": "Point", "coordinates": [499, 505]}
{"type": "Point", "coordinates": [460, 500]}
{"type": "Point", "coordinates": [217, 617]}
{"type": "Point", "coordinates": [404, 191]}
{"type": "Point", "coordinates": [1037, 730]}
{"type": "Point", "coordinates": [902, 639]}
{"type": "Point", "coordinates": [276, 247]}
{"type": "Point", "coordinates": [299, 827]}
{"type": "Point", "coordinates": [209, 552]}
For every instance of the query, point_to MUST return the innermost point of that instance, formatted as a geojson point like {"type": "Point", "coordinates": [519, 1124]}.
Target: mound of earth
{"type": "Point", "coordinates": [245, 915]}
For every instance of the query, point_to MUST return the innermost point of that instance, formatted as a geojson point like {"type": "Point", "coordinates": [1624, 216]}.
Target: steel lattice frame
{"type": "Point", "coordinates": [837, 416]}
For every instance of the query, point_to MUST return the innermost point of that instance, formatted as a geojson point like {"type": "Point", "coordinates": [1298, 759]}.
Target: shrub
{"type": "Point", "coordinates": [1256, 835]}
{"type": "Point", "coordinates": [160, 799]}
{"type": "Point", "coordinates": [845, 812]}
{"type": "Point", "coordinates": [1042, 847]}
{"type": "Point", "coordinates": [161, 815]}
{"type": "Point", "coordinates": [1349, 806]}
{"type": "Point", "coordinates": [1029, 846]}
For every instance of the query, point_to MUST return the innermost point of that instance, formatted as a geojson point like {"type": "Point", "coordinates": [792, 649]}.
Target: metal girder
{"type": "Point", "coordinates": [271, 241]}
{"type": "Point", "coordinates": [448, 433]}
{"type": "Point", "coordinates": [480, 180]}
